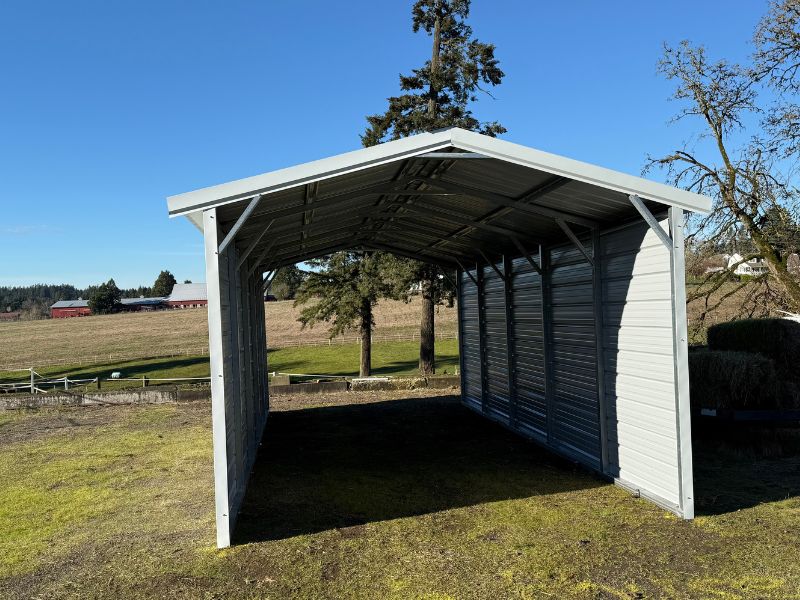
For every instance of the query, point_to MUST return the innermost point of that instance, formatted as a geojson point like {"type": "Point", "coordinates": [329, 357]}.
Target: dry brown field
{"type": "Point", "coordinates": [104, 338]}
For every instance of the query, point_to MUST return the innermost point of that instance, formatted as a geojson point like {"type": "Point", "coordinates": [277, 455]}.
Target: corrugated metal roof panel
{"type": "Point", "coordinates": [183, 292]}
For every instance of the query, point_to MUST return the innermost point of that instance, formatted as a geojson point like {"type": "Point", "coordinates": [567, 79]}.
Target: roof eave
{"type": "Point", "coordinates": [301, 174]}
{"type": "Point", "coordinates": [580, 171]}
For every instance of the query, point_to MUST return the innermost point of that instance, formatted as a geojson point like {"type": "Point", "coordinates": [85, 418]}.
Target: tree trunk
{"type": "Point", "coordinates": [427, 337]}
{"type": "Point", "coordinates": [427, 365]}
{"type": "Point", "coordinates": [365, 370]}
{"type": "Point", "coordinates": [433, 92]}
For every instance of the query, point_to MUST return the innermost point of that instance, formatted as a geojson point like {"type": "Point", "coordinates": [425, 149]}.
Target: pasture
{"type": "Point", "coordinates": [109, 339]}
{"type": "Point", "coordinates": [383, 495]}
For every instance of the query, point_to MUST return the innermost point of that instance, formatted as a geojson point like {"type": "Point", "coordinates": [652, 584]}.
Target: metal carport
{"type": "Point", "coordinates": [572, 318]}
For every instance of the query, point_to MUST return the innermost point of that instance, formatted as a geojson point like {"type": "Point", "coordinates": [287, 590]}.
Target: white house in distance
{"type": "Point", "coordinates": [754, 267]}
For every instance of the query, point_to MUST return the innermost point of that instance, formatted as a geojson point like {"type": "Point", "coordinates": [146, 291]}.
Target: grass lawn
{"type": "Point", "coordinates": [390, 495]}
{"type": "Point", "coordinates": [388, 358]}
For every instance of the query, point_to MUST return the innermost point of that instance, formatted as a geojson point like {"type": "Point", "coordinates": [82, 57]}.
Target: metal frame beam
{"type": "Point", "coordinates": [490, 262]}
{"type": "Point", "coordinates": [526, 254]}
{"type": "Point", "coordinates": [253, 244]}
{"type": "Point", "coordinates": [238, 224]}
{"type": "Point", "coordinates": [574, 239]}
{"type": "Point", "coordinates": [481, 291]}
{"type": "Point", "coordinates": [599, 334]}
{"type": "Point", "coordinates": [466, 271]}
{"type": "Point", "coordinates": [508, 290]}
{"type": "Point", "coordinates": [518, 203]}
{"type": "Point", "coordinates": [683, 420]}
{"type": "Point", "coordinates": [651, 220]}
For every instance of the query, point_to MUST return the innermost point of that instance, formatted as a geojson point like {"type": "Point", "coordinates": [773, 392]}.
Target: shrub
{"type": "Point", "coordinates": [738, 380]}
{"type": "Point", "coordinates": [777, 339]}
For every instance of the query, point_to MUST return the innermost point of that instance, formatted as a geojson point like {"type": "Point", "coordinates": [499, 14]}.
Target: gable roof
{"type": "Point", "coordinates": [446, 195]}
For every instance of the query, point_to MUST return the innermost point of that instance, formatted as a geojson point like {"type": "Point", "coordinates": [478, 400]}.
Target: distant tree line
{"type": "Point", "coordinates": [34, 301]}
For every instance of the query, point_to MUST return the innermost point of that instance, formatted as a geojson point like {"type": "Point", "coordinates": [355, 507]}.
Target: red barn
{"type": "Point", "coordinates": [70, 308]}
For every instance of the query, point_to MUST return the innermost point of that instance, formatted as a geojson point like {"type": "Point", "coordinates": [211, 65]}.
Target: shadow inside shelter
{"type": "Point", "coordinates": [340, 466]}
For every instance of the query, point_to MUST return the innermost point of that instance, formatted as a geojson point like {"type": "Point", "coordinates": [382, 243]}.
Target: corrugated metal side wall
{"type": "Point", "coordinates": [575, 422]}
{"type": "Point", "coordinates": [470, 344]}
{"type": "Point", "coordinates": [638, 349]}
{"type": "Point", "coordinates": [495, 344]}
{"type": "Point", "coordinates": [529, 355]}
{"type": "Point", "coordinates": [528, 345]}
{"type": "Point", "coordinates": [238, 370]}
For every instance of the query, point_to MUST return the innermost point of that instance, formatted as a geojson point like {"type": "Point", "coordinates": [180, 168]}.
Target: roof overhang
{"type": "Point", "coordinates": [444, 196]}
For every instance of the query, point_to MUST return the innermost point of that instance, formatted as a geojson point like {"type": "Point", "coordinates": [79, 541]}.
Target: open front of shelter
{"type": "Point", "coordinates": [571, 294]}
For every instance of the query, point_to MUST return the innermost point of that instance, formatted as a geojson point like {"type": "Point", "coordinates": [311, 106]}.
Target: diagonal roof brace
{"type": "Point", "coordinates": [491, 264]}
{"type": "Point", "coordinates": [526, 254]}
{"type": "Point", "coordinates": [651, 220]}
{"type": "Point", "coordinates": [463, 268]}
{"type": "Point", "coordinates": [239, 222]}
{"type": "Point", "coordinates": [574, 239]}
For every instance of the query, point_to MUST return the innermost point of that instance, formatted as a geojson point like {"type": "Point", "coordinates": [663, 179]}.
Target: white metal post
{"type": "Point", "coordinates": [681, 362]}
{"type": "Point", "coordinates": [217, 360]}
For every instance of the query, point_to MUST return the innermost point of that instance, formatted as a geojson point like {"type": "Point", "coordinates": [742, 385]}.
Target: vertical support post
{"type": "Point", "coordinates": [681, 364]}
{"type": "Point", "coordinates": [460, 299]}
{"type": "Point", "coordinates": [482, 337]}
{"type": "Point", "coordinates": [217, 297]}
{"type": "Point", "coordinates": [508, 288]}
{"type": "Point", "coordinates": [597, 297]}
{"type": "Point", "coordinates": [547, 340]}
{"type": "Point", "coordinates": [33, 382]}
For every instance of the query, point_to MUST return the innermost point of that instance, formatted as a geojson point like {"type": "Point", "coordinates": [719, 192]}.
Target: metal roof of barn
{"type": "Point", "coordinates": [445, 197]}
{"type": "Point", "coordinates": [184, 292]}
{"type": "Point", "coordinates": [71, 304]}
{"type": "Point", "coordinates": [142, 301]}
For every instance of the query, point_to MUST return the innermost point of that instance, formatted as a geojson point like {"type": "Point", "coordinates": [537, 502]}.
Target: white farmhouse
{"type": "Point", "coordinates": [754, 266]}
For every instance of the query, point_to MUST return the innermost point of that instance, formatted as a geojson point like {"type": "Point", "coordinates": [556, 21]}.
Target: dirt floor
{"type": "Point", "coordinates": [377, 495]}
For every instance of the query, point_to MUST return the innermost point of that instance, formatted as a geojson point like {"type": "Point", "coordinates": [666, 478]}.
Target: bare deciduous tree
{"type": "Point", "coordinates": [745, 156]}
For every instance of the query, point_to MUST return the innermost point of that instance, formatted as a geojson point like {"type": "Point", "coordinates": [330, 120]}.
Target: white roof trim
{"type": "Point", "coordinates": [190, 202]}
{"type": "Point", "coordinates": [580, 171]}
{"type": "Point", "coordinates": [309, 172]}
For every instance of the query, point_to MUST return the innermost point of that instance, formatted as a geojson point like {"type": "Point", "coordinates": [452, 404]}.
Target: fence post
{"type": "Point", "coordinates": [144, 381]}
{"type": "Point", "coordinates": [33, 382]}
{"type": "Point", "coordinates": [66, 383]}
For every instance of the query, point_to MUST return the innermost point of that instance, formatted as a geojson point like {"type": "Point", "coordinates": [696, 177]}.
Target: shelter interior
{"type": "Point", "coordinates": [570, 288]}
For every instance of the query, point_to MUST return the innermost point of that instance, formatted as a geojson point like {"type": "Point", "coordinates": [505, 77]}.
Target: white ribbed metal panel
{"type": "Point", "coordinates": [549, 389]}
{"type": "Point", "coordinates": [239, 394]}
{"type": "Point", "coordinates": [639, 363]}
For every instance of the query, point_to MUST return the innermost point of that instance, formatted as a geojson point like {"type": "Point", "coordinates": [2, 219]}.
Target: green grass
{"type": "Point", "coordinates": [388, 358]}
{"type": "Point", "coordinates": [411, 498]}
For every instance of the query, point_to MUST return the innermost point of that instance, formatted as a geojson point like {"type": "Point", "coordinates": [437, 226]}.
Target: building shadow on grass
{"type": "Point", "coordinates": [342, 466]}
{"type": "Point", "coordinates": [738, 466]}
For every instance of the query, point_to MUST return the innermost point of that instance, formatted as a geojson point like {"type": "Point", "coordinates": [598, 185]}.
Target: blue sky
{"type": "Point", "coordinates": [108, 107]}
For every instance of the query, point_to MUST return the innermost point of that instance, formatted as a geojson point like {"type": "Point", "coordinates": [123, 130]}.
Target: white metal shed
{"type": "Point", "coordinates": [572, 319]}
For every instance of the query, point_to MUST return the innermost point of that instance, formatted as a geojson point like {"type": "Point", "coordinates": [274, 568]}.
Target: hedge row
{"type": "Point", "coordinates": [777, 339]}
{"type": "Point", "coordinates": [737, 380]}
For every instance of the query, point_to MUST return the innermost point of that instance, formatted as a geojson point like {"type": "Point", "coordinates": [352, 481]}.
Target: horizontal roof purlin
{"type": "Point", "coordinates": [410, 196]}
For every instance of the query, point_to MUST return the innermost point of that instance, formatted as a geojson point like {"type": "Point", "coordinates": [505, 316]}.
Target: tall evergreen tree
{"type": "Point", "coordinates": [439, 94]}
{"type": "Point", "coordinates": [342, 289]}
{"type": "Point", "coordinates": [105, 298]}
{"type": "Point", "coordinates": [164, 284]}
